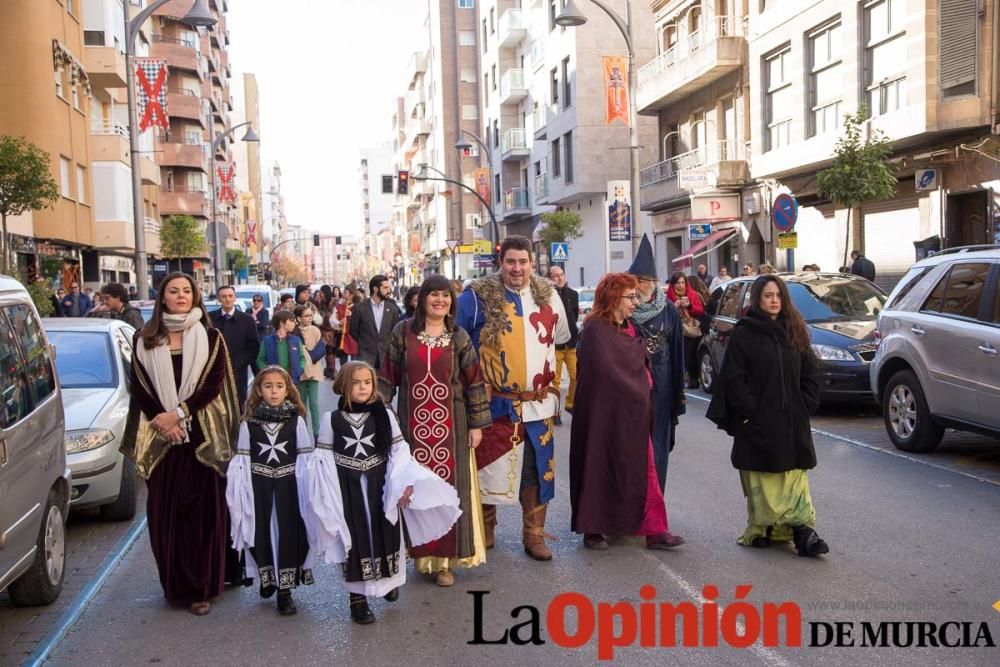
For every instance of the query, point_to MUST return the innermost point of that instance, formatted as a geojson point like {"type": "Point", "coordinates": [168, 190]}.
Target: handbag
{"type": "Point", "coordinates": [692, 329]}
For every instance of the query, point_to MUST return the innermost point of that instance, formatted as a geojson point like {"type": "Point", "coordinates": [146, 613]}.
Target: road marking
{"type": "Point", "coordinates": [899, 455]}
{"type": "Point", "coordinates": [83, 598]}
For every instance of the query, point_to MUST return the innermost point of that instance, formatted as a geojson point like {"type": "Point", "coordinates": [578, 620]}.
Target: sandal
{"type": "Point", "coordinates": [595, 541]}
{"type": "Point", "coordinates": [200, 608]}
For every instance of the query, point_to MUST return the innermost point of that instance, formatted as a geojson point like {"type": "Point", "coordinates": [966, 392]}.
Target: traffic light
{"type": "Point", "coordinates": [496, 254]}
{"type": "Point", "coordinates": [316, 240]}
{"type": "Point", "coordinates": [403, 179]}
{"type": "Point", "coordinates": [336, 239]}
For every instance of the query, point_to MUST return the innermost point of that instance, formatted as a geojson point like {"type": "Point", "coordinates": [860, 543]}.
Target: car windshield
{"type": "Point", "coordinates": [83, 360]}
{"type": "Point", "coordinates": [586, 295]}
{"type": "Point", "coordinates": [248, 295]}
{"type": "Point", "coordinates": [833, 298]}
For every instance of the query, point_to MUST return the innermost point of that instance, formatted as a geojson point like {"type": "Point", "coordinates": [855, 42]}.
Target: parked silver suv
{"type": "Point", "coordinates": [938, 360]}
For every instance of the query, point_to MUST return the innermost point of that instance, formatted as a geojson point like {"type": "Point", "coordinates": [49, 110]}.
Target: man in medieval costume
{"type": "Point", "coordinates": [516, 320]}
{"type": "Point", "coordinates": [659, 323]}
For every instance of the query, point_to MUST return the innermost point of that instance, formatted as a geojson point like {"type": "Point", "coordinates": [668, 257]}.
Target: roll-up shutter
{"type": "Point", "coordinates": [957, 47]}
{"type": "Point", "coordinates": [890, 228]}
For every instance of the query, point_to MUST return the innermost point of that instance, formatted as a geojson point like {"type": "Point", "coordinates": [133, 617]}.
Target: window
{"type": "Point", "coordinates": [470, 112]}
{"type": "Point", "coordinates": [484, 36]}
{"type": "Point", "coordinates": [189, 39]}
{"type": "Point", "coordinates": [567, 101]}
{"type": "Point", "coordinates": [995, 316]}
{"type": "Point", "coordinates": [556, 159]}
{"type": "Point", "coordinates": [826, 79]}
{"type": "Point", "coordinates": [496, 188]}
{"type": "Point", "coordinates": [69, 6]}
{"type": "Point", "coordinates": [493, 71]}
{"type": "Point", "coordinates": [468, 75]}
{"type": "Point", "coordinates": [554, 86]}
{"type": "Point", "coordinates": [486, 91]}
{"type": "Point", "coordinates": [778, 100]}
{"type": "Point", "coordinates": [553, 13]}
{"type": "Point", "coordinates": [466, 4]}
{"type": "Point", "coordinates": [730, 304]}
{"type": "Point", "coordinates": [64, 184]}
{"type": "Point", "coordinates": [957, 47]}
{"type": "Point", "coordinates": [496, 133]}
{"type": "Point", "coordinates": [75, 95]}
{"type": "Point", "coordinates": [694, 20]}
{"type": "Point", "coordinates": [192, 137]}
{"type": "Point", "coordinates": [13, 382]}
{"type": "Point", "coordinates": [59, 82]}
{"type": "Point", "coordinates": [467, 38]}
{"type": "Point", "coordinates": [81, 184]}
{"type": "Point", "coordinates": [37, 362]}
{"type": "Point", "coordinates": [960, 291]}
{"type": "Point", "coordinates": [669, 37]}
{"type": "Point", "coordinates": [885, 56]}
{"type": "Point", "coordinates": [568, 152]}
{"type": "Point", "coordinates": [85, 360]}
{"type": "Point", "coordinates": [906, 285]}
{"type": "Point", "coordinates": [493, 25]}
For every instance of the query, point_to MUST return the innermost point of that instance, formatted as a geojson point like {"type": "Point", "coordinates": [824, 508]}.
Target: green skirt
{"type": "Point", "coordinates": [776, 500]}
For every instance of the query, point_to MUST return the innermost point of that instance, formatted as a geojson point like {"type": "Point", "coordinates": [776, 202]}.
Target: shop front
{"type": "Point", "coordinates": [59, 263]}
{"type": "Point", "coordinates": [23, 257]}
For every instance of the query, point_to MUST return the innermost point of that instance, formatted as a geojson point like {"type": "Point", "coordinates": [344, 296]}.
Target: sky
{"type": "Point", "coordinates": [328, 71]}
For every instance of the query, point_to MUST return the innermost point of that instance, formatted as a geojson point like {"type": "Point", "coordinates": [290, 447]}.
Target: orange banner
{"type": "Point", "coordinates": [616, 89]}
{"type": "Point", "coordinates": [481, 177]}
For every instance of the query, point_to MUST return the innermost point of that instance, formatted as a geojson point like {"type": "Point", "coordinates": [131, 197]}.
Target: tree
{"type": "Point", "coordinates": [236, 259]}
{"type": "Point", "coordinates": [41, 293]}
{"type": "Point", "coordinates": [859, 172]}
{"type": "Point", "coordinates": [26, 184]}
{"type": "Point", "coordinates": [560, 226]}
{"type": "Point", "coordinates": [181, 236]}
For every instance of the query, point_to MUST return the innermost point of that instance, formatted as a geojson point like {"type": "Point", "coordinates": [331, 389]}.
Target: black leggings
{"type": "Point", "coordinates": [691, 358]}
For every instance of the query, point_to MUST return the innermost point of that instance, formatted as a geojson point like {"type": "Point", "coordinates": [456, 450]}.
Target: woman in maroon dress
{"type": "Point", "coordinates": [442, 410]}
{"type": "Point", "coordinates": [181, 425]}
{"type": "Point", "coordinates": [614, 489]}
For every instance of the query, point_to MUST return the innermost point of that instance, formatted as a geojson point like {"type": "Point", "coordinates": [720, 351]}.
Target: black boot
{"type": "Point", "coordinates": [392, 595]}
{"type": "Point", "coordinates": [267, 591]}
{"type": "Point", "coordinates": [286, 605]}
{"type": "Point", "coordinates": [808, 543]}
{"type": "Point", "coordinates": [360, 612]}
{"type": "Point", "coordinates": [762, 541]}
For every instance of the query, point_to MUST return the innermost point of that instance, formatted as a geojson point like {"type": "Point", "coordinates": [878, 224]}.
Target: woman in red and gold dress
{"type": "Point", "coordinates": [182, 421]}
{"type": "Point", "coordinates": [442, 409]}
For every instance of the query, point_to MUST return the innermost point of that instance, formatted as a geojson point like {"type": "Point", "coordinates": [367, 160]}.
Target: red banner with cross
{"type": "Point", "coordinates": [151, 93]}
{"type": "Point", "coordinates": [616, 89]}
{"type": "Point", "coordinates": [224, 174]}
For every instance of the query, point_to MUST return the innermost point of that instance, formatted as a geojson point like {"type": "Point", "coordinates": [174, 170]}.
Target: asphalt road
{"type": "Point", "coordinates": [909, 542]}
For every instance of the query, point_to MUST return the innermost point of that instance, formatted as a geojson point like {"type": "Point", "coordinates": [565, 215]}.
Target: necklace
{"type": "Point", "coordinates": [441, 340]}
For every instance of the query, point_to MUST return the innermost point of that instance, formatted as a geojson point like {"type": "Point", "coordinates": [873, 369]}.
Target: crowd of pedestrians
{"type": "Point", "coordinates": [446, 414]}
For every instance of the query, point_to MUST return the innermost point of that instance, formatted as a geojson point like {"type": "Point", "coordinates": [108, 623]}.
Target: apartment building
{"type": "Point", "coordinates": [377, 178]}
{"type": "Point", "coordinates": [697, 88]}
{"type": "Point", "coordinates": [543, 95]}
{"type": "Point", "coordinates": [927, 72]}
{"type": "Point", "coordinates": [199, 105]}
{"type": "Point", "coordinates": [248, 174]}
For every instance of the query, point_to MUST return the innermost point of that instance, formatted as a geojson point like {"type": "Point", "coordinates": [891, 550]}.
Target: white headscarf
{"type": "Point", "coordinates": [194, 357]}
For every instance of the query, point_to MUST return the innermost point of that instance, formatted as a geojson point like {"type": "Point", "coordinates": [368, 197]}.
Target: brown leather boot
{"type": "Point", "coordinates": [490, 524]}
{"type": "Point", "coordinates": [533, 533]}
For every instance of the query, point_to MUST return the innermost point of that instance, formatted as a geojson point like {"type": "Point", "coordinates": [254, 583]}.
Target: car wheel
{"type": "Point", "coordinates": [706, 371]}
{"type": "Point", "coordinates": [42, 584]}
{"type": "Point", "coordinates": [907, 417]}
{"type": "Point", "coordinates": [123, 508]}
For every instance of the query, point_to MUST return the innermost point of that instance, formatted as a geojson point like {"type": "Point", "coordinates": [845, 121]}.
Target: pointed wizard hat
{"type": "Point", "coordinates": [644, 265]}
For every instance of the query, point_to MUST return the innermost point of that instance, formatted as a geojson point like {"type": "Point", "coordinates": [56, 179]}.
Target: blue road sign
{"type": "Point", "coordinates": [699, 232]}
{"type": "Point", "coordinates": [784, 212]}
{"type": "Point", "coordinates": [559, 252]}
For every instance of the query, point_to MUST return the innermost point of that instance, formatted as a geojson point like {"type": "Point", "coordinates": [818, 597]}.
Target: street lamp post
{"type": "Point", "coordinates": [462, 145]}
{"type": "Point", "coordinates": [570, 16]}
{"type": "Point", "coordinates": [422, 176]}
{"type": "Point", "coordinates": [198, 16]}
{"type": "Point", "coordinates": [219, 257]}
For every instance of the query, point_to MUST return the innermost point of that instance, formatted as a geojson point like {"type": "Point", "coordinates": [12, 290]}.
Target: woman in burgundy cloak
{"type": "Point", "coordinates": [181, 425]}
{"type": "Point", "coordinates": [613, 485]}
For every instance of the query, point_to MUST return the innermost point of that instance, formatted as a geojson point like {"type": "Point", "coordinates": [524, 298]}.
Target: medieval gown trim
{"type": "Point", "coordinates": [433, 509]}
{"type": "Point", "coordinates": [776, 500]}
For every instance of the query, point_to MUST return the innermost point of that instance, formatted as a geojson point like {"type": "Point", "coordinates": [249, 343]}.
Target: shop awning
{"type": "Point", "coordinates": [706, 245]}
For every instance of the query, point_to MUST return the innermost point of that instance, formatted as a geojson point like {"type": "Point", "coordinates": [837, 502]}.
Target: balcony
{"type": "Point", "coordinates": [514, 144]}
{"type": "Point", "coordinates": [700, 58]}
{"type": "Point", "coordinates": [182, 200]}
{"type": "Point", "coordinates": [152, 229]}
{"type": "Point", "coordinates": [513, 28]}
{"type": "Point", "coordinates": [539, 121]}
{"type": "Point", "coordinates": [537, 56]}
{"type": "Point", "coordinates": [516, 204]}
{"type": "Point", "coordinates": [114, 234]}
{"type": "Point", "coordinates": [183, 155]}
{"type": "Point", "coordinates": [722, 162]}
{"type": "Point", "coordinates": [512, 87]}
{"type": "Point", "coordinates": [105, 65]}
{"type": "Point", "coordinates": [542, 187]}
{"type": "Point", "coordinates": [149, 171]}
{"type": "Point", "coordinates": [417, 65]}
{"type": "Point", "coordinates": [109, 141]}
{"type": "Point", "coordinates": [179, 54]}
{"type": "Point", "coordinates": [184, 103]}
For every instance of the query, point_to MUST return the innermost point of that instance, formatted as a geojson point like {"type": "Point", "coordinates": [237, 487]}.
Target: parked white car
{"type": "Point", "coordinates": [93, 358]}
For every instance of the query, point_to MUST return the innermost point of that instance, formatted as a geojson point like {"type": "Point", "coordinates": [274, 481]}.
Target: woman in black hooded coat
{"type": "Point", "coordinates": [766, 391]}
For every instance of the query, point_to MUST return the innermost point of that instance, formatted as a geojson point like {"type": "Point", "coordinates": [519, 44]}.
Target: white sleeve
{"type": "Point", "coordinates": [562, 334]}
{"type": "Point", "coordinates": [434, 505]}
{"type": "Point", "coordinates": [239, 493]}
{"type": "Point", "coordinates": [325, 436]}
{"type": "Point", "coordinates": [303, 440]}
{"type": "Point", "coordinates": [321, 503]}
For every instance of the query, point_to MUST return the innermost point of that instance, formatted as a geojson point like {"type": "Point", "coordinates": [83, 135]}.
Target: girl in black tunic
{"type": "Point", "coordinates": [263, 492]}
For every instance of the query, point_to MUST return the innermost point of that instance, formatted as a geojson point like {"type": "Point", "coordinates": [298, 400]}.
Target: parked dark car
{"type": "Point", "coordinates": [841, 313]}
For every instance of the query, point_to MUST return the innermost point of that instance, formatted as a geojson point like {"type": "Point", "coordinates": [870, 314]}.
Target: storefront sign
{"type": "Point", "coordinates": [751, 202]}
{"type": "Point", "coordinates": [926, 179]}
{"type": "Point", "coordinates": [619, 211]}
{"type": "Point", "coordinates": [699, 232]}
{"type": "Point", "coordinates": [692, 179]}
{"type": "Point", "coordinates": [114, 263]}
{"type": "Point", "coordinates": [715, 208]}
{"type": "Point", "coordinates": [19, 243]}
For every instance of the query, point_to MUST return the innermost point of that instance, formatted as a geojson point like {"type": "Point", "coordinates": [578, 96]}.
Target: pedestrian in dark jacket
{"type": "Point", "coordinates": [659, 323]}
{"type": "Point", "coordinates": [75, 303]}
{"type": "Point", "coordinates": [372, 322]}
{"type": "Point", "coordinates": [283, 348]}
{"type": "Point", "coordinates": [566, 352]}
{"type": "Point", "coordinates": [862, 266]}
{"type": "Point", "coordinates": [116, 306]}
{"type": "Point", "coordinates": [261, 316]}
{"type": "Point", "coordinates": [239, 329]}
{"type": "Point", "coordinates": [766, 391]}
